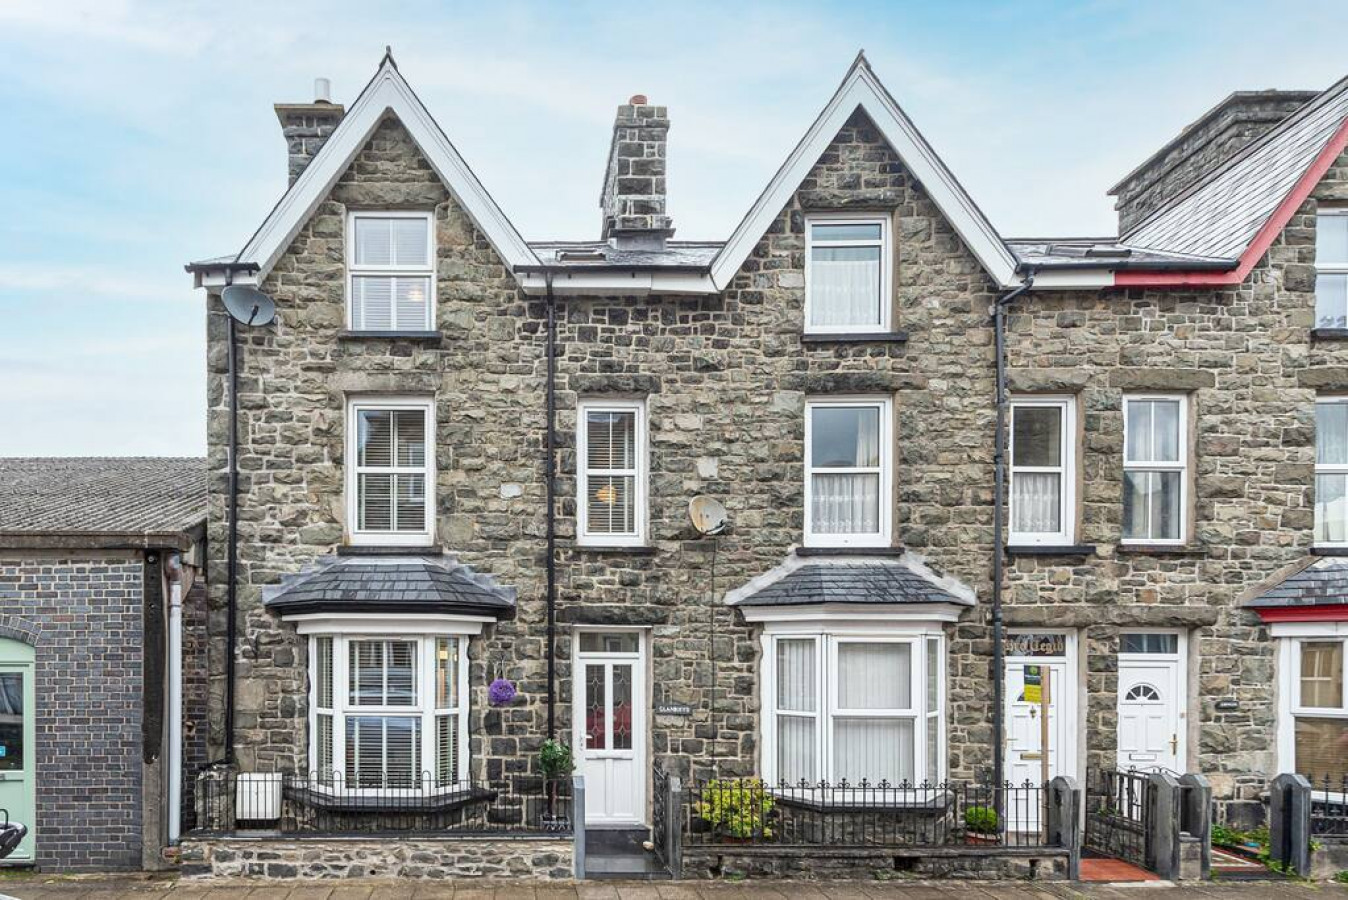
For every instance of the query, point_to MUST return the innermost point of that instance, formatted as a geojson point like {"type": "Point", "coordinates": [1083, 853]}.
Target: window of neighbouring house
{"type": "Point", "coordinates": [611, 472]}
{"type": "Point", "coordinates": [388, 712]}
{"type": "Point", "coordinates": [1319, 705]}
{"type": "Point", "coordinates": [390, 471]}
{"type": "Point", "coordinates": [849, 707]}
{"type": "Point", "coordinates": [847, 472]}
{"type": "Point", "coordinates": [1155, 468]}
{"type": "Point", "coordinates": [1331, 269]}
{"type": "Point", "coordinates": [390, 270]}
{"type": "Point", "coordinates": [1043, 482]}
{"type": "Point", "coordinates": [847, 274]}
{"type": "Point", "coordinates": [1331, 471]}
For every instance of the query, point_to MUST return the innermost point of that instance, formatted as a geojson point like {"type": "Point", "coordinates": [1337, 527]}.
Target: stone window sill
{"type": "Point", "coordinates": [1160, 550]}
{"type": "Point", "coordinates": [430, 337]}
{"type": "Point", "coordinates": [1329, 334]}
{"type": "Point", "coordinates": [849, 551]}
{"type": "Point", "coordinates": [1052, 550]}
{"type": "Point", "coordinates": [1329, 551]}
{"type": "Point", "coordinates": [857, 337]}
{"type": "Point", "coordinates": [616, 549]}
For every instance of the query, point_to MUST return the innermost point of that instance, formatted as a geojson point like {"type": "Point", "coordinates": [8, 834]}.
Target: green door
{"type": "Point", "coordinates": [17, 763]}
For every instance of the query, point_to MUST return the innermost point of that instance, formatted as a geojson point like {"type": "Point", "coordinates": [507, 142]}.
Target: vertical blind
{"type": "Point", "coordinates": [845, 460]}
{"type": "Point", "coordinates": [611, 471]}
{"type": "Point", "coordinates": [796, 688]}
{"type": "Point", "coordinates": [390, 273]}
{"type": "Point", "coordinates": [391, 470]}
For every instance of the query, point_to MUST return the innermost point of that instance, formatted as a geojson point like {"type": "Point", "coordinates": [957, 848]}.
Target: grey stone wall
{"type": "Point", "coordinates": [328, 858]}
{"type": "Point", "coordinates": [83, 615]}
{"type": "Point", "coordinates": [847, 864]}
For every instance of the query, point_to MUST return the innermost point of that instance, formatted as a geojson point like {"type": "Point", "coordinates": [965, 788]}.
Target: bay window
{"type": "Point", "coordinates": [390, 271]}
{"type": "Point", "coordinates": [611, 472]}
{"type": "Point", "coordinates": [847, 273]}
{"type": "Point", "coordinates": [388, 712]}
{"type": "Point", "coordinates": [1331, 471]}
{"type": "Point", "coordinates": [1331, 268]}
{"type": "Point", "coordinates": [390, 470]}
{"type": "Point", "coordinates": [847, 472]}
{"type": "Point", "coordinates": [1315, 714]}
{"type": "Point", "coordinates": [1043, 480]}
{"type": "Point", "coordinates": [846, 706]}
{"type": "Point", "coordinates": [1155, 468]}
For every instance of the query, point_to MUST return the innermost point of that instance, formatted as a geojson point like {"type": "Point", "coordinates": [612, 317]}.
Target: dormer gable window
{"type": "Point", "coordinates": [847, 273]}
{"type": "Point", "coordinates": [390, 263]}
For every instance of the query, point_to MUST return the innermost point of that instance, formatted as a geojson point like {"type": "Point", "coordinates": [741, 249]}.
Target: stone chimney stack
{"type": "Point", "coordinates": [307, 126]}
{"type": "Point", "coordinates": [633, 201]}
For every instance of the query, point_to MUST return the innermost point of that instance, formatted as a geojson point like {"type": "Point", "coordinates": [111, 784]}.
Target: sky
{"type": "Point", "coordinates": [140, 136]}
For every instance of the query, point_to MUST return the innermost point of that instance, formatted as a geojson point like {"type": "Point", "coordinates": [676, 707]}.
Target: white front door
{"type": "Point", "coordinates": [1151, 703]}
{"type": "Point", "coordinates": [610, 725]}
{"type": "Point", "coordinates": [1046, 658]}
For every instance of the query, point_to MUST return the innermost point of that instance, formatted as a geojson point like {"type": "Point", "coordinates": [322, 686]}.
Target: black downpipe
{"type": "Point", "coordinates": [551, 470]}
{"type": "Point", "coordinates": [998, 550]}
{"type": "Point", "coordinates": [232, 554]}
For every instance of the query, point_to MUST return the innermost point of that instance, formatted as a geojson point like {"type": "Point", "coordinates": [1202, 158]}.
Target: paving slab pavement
{"type": "Point", "coordinates": [160, 888]}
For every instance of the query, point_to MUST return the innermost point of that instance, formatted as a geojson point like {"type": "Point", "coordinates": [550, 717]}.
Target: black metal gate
{"type": "Point", "coordinates": [660, 815]}
{"type": "Point", "coordinates": [1119, 810]}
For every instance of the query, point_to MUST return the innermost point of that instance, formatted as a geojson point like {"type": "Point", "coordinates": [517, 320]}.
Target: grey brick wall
{"type": "Point", "coordinates": [85, 615]}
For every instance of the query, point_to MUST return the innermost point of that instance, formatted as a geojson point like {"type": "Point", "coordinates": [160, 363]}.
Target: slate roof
{"type": "Point", "coordinates": [1322, 583]}
{"type": "Point", "coordinates": [1221, 214]}
{"type": "Point", "coordinates": [1109, 252]}
{"type": "Point", "coordinates": [849, 580]}
{"type": "Point", "coordinates": [139, 500]}
{"type": "Point", "coordinates": [432, 583]}
{"type": "Point", "coordinates": [600, 255]}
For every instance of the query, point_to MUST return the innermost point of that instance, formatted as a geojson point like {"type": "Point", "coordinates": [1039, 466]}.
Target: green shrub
{"type": "Point", "coordinates": [737, 808]}
{"type": "Point", "coordinates": [1341, 877]}
{"type": "Point", "coordinates": [554, 759]}
{"type": "Point", "coordinates": [981, 820]}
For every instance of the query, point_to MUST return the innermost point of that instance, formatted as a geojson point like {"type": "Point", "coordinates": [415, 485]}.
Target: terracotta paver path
{"type": "Point", "coordinates": [143, 888]}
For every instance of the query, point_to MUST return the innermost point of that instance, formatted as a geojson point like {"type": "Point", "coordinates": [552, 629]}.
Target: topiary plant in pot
{"type": "Point", "coordinates": [555, 762]}
{"type": "Point", "coordinates": [981, 825]}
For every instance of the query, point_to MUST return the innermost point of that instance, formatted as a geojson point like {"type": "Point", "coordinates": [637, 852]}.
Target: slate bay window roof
{"type": "Point", "coordinates": [1322, 583]}
{"type": "Point", "coordinates": [434, 582]}
{"type": "Point", "coordinates": [879, 581]}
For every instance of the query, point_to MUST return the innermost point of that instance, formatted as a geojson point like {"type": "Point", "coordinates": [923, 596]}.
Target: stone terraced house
{"type": "Point", "coordinates": [1175, 472]}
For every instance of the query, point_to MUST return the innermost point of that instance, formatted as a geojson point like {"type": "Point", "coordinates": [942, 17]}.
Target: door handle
{"type": "Point", "coordinates": [1174, 744]}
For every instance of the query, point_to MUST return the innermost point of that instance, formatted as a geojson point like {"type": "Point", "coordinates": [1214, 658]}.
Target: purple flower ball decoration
{"type": "Point", "coordinates": [500, 692]}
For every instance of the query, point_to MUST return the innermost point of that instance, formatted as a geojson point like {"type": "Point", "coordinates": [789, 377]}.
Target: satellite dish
{"type": "Point", "coordinates": [707, 515]}
{"type": "Point", "coordinates": [248, 305]}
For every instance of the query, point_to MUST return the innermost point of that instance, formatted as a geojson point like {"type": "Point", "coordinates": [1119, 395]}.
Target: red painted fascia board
{"type": "Point", "coordinates": [1262, 240]}
{"type": "Point", "coordinates": [1329, 612]}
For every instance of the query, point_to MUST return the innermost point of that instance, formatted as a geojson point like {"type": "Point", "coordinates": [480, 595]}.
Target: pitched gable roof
{"type": "Point", "coordinates": [861, 89]}
{"type": "Point", "coordinates": [1240, 207]}
{"type": "Point", "coordinates": [387, 92]}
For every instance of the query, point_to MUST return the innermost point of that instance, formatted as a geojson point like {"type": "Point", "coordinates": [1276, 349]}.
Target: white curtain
{"type": "Point", "coordinates": [797, 691]}
{"type": "Point", "coordinates": [1331, 434]}
{"type": "Point", "coordinates": [845, 504]}
{"type": "Point", "coordinates": [1035, 499]}
{"type": "Point", "coordinates": [845, 286]}
{"type": "Point", "coordinates": [1331, 508]}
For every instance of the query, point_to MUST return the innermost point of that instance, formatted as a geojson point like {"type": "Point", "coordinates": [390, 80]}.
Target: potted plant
{"type": "Point", "coordinates": [981, 825]}
{"type": "Point", "coordinates": [737, 810]}
{"type": "Point", "coordinates": [555, 762]}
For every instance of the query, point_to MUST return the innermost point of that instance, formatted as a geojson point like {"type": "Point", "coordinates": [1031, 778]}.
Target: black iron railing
{"type": "Point", "coordinates": [294, 804]}
{"type": "Point", "coordinates": [866, 814]}
{"type": "Point", "coordinates": [1119, 808]}
{"type": "Point", "coordinates": [1329, 806]}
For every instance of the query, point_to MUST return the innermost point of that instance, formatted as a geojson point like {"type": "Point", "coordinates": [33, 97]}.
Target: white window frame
{"type": "Point", "coordinates": [1325, 469]}
{"type": "Point", "coordinates": [1066, 471]}
{"type": "Point", "coordinates": [354, 271]}
{"type": "Point", "coordinates": [1327, 268]}
{"type": "Point", "coordinates": [425, 708]}
{"type": "Point", "coordinates": [881, 538]}
{"type": "Point", "coordinates": [827, 636]}
{"type": "Point", "coordinates": [886, 245]}
{"type": "Point", "coordinates": [357, 536]}
{"type": "Point", "coordinates": [1290, 638]}
{"type": "Point", "coordinates": [1181, 466]}
{"type": "Point", "coordinates": [641, 513]}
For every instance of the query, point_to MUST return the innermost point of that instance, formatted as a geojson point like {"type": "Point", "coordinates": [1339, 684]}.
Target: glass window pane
{"type": "Point", "coordinates": [410, 239]}
{"type": "Point", "coordinates": [12, 750]}
{"type": "Point", "coordinates": [365, 673]}
{"type": "Point", "coordinates": [410, 437]}
{"type": "Point", "coordinates": [1331, 301]}
{"type": "Point", "coordinates": [609, 642]}
{"type": "Point", "coordinates": [374, 241]}
{"type": "Point", "coordinates": [1036, 502]}
{"type": "Point", "coordinates": [845, 504]}
{"type": "Point", "coordinates": [873, 750]}
{"type": "Point", "coordinates": [843, 437]}
{"type": "Point", "coordinates": [411, 306]}
{"type": "Point", "coordinates": [375, 437]}
{"type": "Point", "coordinates": [1331, 509]}
{"type": "Point", "coordinates": [1149, 643]}
{"type": "Point", "coordinates": [596, 737]}
{"type": "Point", "coordinates": [323, 743]}
{"type": "Point", "coordinates": [411, 508]}
{"type": "Point", "coordinates": [1331, 240]}
{"type": "Point", "coordinates": [1153, 431]}
{"type": "Point", "coordinates": [1322, 749]}
{"type": "Point", "coordinates": [874, 676]}
{"type": "Point", "coordinates": [611, 439]}
{"type": "Point", "coordinates": [845, 286]}
{"type": "Point", "coordinates": [933, 675]}
{"type": "Point", "coordinates": [1331, 434]}
{"type": "Point", "coordinates": [446, 673]}
{"type": "Point", "coordinates": [401, 674]}
{"type": "Point", "coordinates": [372, 302]}
{"type": "Point", "coordinates": [858, 231]}
{"type": "Point", "coordinates": [1322, 675]}
{"type": "Point", "coordinates": [323, 673]}
{"type": "Point", "coordinates": [796, 749]}
{"type": "Point", "coordinates": [1151, 505]}
{"type": "Point", "coordinates": [933, 750]}
{"type": "Point", "coordinates": [611, 504]}
{"type": "Point", "coordinates": [796, 686]}
{"type": "Point", "coordinates": [383, 751]}
{"type": "Point", "coordinates": [447, 748]}
{"type": "Point", "coordinates": [622, 706]}
{"type": "Point", "coordinates": [1036, 435]}
{"type": "Point", "coordinates": [376, 502]}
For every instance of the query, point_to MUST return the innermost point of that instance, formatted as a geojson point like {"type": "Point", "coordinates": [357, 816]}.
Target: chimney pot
{"type": "Point", "coordinates": [322, 90]}
{"type": "Point", "coordinates": [638, 100]}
